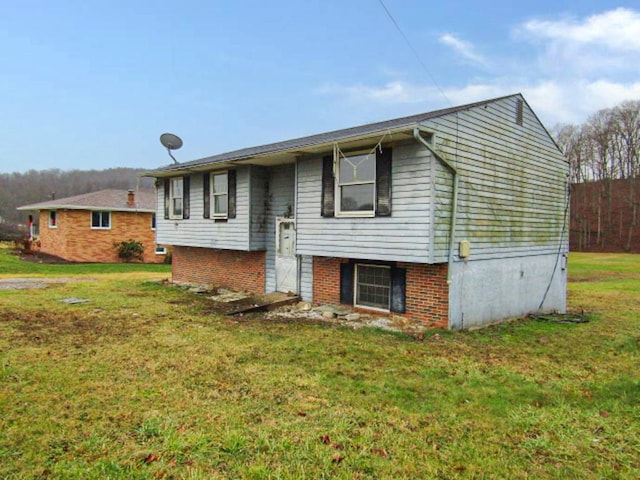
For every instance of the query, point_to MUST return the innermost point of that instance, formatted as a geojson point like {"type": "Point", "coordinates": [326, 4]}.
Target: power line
{"type": "Point", "coordinates": [415, 52]}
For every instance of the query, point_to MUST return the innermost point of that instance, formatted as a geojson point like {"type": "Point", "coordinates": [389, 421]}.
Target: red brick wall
{"type": "Point", "coordinates": [52, 240]}
{"type": "Point", "coordinates": [75, 240]}
{"type": "Point", "coordinates": [233, 269]}
{"type": "Point", "coordinates": [427, 291]}
{"type": "Point", "coordinates": [326, 279]}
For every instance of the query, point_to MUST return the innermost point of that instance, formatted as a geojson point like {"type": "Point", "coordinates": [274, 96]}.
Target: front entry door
{"type": "Point", "coordinates": [286, 259]}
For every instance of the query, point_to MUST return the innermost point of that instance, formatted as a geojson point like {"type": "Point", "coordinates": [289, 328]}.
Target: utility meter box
{"type": "Point", "coordinates": [465, 249]}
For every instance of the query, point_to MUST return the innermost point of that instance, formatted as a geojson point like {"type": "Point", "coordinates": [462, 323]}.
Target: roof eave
{"type": "Point", "coordinates": [287, 154]}
{"type": "Point", "coordinates": [83, 207]}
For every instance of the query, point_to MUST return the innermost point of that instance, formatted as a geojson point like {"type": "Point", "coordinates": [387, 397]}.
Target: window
{"type": "Point", "coordinates": [53, 219]}
{"type": "Point", "coordinates": [161, 250]}
{"type": "Point", "coordinates": [101, 220]}
{"type": "Point", "coordinates": [356, 184]}
{"type": "Point", "coordinates": [373, 286]}
{"type": "Point", "coordinates": [219, 195]}
{"type": "Point", "coordinates": [176, 198]}
{"type": "Point", "coordinates": [153, 221]}
{"type": "Point", "coordinates": [377, 285]}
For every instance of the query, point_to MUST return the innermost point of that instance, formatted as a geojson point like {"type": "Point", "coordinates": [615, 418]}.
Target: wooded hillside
{"type": "Point", "coordinates": [604, 154]}
{"type": "Point", "coordinates": [34, 186]}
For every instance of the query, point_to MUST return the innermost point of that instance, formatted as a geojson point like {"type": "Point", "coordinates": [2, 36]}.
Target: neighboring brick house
{"type": "Point", "coordinates": [84, 228]}
{"type": "Point", "coordinates": [455, 218]}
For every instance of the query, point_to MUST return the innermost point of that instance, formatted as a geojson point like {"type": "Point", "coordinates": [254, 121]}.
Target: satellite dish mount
{"type": "Point", "coordinates": [171, 142]}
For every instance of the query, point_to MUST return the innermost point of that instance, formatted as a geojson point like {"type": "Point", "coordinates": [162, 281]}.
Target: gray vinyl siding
{"type": "Point", "coordinates": [259, 189]}
{"type": "Point", "coordinates": [280, 199]}
{"type": "Point", "coordinates": [197, 231]}
{"type": "Point", "coordinates": [512, 197]}
{"type": "Point", "coordinates": [306, 277]}
{"type": "Point", "coordinates": [512, 183]}
{"type": "Point", "coordinates": [404, 236]}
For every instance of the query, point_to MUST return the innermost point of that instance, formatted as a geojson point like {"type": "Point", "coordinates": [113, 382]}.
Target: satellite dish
{"type": "Point", "coordinates": [171, 142]}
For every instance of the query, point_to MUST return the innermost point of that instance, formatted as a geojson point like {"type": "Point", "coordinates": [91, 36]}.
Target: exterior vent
{"type": "Point", "coordinates": [519, 112]}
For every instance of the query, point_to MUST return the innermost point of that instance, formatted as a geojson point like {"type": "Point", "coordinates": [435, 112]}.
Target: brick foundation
{"type": "Point", "coordinates": [232, 269]}
{"type": "Point", "coordinates": [427, 292]}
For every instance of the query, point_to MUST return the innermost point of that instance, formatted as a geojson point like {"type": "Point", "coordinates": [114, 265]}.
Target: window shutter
{"type": "Point", "coordinates": [346, 283]}
{"type": "Point", "coordinates": [186, 202]}
{"type": "Point", "coordinates": [398, 290]}
{"type": "Point", "coordinates": [328, 188]}
{"type": "Point", "coordinates": [206, 195]}
{"type": "Point", "coordinates": [383, 182]}
{"type": "Point", "coordinates": [167, 197]}
{"type": "Point", "coordinates": [231, 192]}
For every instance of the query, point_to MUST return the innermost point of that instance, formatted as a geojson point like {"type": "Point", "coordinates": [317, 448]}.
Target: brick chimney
{"type": "Point", "coordinates": [131, 199]}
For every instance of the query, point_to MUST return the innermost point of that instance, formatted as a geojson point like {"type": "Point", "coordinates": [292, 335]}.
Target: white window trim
{"type": "Point", "coordinates": [161, 250]}
{"type": "Point", "coordinates": [355, 288]}
{"type": "Point", "coordinates": [213, 195]}
{"type": "Point", "coordinates": [336, 171]}
{"type": "Point", "coordinates": [49, 219]}
{"type": "Point", "coordinates": [172, 215]}
{"type": "Point", "coordinates": [101, 212]}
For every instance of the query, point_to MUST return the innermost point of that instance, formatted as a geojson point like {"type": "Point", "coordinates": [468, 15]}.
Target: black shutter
{"type": "Point", "coordinates": [398, 290]}
{"type": "Point", "coordinates": [383, 182]}
{"type": "Point", "coordinates": [346, 283]}
{"type": "Point", "coordinates": [186, 202]}
{"type": "Point", "coordinates": [231, 192]}
{"type": "Point", "coordinates": [167, 197]}
{"type": "Point", "coordinates": [328, 188]}
{"type": "Point", "coordinates": [206, 195]}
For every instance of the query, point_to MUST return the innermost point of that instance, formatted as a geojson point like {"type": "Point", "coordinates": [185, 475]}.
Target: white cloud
{"type": "Point", "coordinates": [606, 41]}
{"type": "Point", "coordinates": [569, 69]}
{"type": "Point", "coordinates": [463, 48]}
{"type": "Point", "coordinates": [617, 29]}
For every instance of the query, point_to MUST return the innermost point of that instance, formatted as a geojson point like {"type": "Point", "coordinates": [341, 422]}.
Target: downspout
{"type": "Point", "coordinates": [454, 208]}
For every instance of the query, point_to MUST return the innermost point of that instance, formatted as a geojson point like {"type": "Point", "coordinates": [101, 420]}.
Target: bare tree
{"type": "Point", "coordinates": [603, 154]}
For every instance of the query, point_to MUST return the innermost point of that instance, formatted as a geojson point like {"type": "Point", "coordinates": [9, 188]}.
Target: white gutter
{"type": "Point", "coordinates": [454, 207]}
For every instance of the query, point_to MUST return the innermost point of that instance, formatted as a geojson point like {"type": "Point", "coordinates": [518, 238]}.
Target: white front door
{"type": "Point", "coordinates": [286, 259]}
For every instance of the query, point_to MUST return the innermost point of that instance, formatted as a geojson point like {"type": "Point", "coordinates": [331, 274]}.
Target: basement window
{"type": "Point", "coordinates": [53, 219]}
{"type": "Point", "coordinates": [101, 220]}
{"type": "Point", "coordinates": [373, 287]}
{"type": "Point", "coordinates": [161, 250]}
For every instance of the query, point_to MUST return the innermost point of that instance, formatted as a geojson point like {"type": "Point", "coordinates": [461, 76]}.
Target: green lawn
{"type": "Point", "coordinates": [140, 383]}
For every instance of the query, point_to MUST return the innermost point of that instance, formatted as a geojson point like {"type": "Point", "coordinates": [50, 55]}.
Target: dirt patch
{"type": "Point", "coordinates": [39, 257]}
{"type": "Point", "coordinates": [35, 283]}
{"type": "Point", "coordinates": [81, 329]}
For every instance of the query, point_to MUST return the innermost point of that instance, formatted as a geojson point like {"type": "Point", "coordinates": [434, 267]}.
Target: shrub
{"type": "Point", "coordinates": [27, 245]}
{"type": "Point", "coordinates": [129, 250]}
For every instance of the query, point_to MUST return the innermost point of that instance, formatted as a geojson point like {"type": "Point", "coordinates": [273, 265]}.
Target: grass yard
{"type": "Point", "coordinates": [139, 383]}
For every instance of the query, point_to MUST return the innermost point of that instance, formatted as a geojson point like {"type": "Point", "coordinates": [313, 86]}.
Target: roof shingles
{"type": "Point", "coordinates": [113, 200]}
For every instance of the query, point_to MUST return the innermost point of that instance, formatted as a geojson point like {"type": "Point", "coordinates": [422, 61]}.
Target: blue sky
{"type": "Point", "coordinates": [92, 85]}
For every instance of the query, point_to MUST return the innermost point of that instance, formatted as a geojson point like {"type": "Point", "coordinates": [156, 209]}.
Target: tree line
{"type": "Point", "coordinates": [604, 159]}
{"type": "Point", "coordinates": [33, 186]}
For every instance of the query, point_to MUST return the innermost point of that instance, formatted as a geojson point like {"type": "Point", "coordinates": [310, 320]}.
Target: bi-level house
{"type": "Point", "coordinates": [454, 218]}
